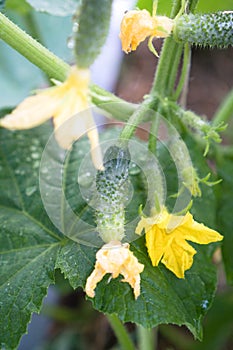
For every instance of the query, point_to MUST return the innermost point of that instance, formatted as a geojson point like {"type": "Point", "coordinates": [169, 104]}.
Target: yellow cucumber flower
{"type": "Point", "coordinates": [115, 258]}
{"type": "Point", "coordinates": [137, 25]}
{"type": "Point", "coordinates": [167, 236]}
{"type": "Point", "coordinates": [61, 102]}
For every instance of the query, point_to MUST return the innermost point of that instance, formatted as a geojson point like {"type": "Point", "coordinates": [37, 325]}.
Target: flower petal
{"type": "Point", "coordinates": [69, 121]}
{"type": "Point", "coordinates": [166, 236]}
{"type": "Point", "coordinates": [95, 277]}
{"type": "Point", "coordinates": [196, 232]}
{"type": "Point", "coordinates": [115, 258]}
{"type": "Point", "coordinates": [178, 257]}
{"type": "Point", "coordinates": [33, 111]}
{"type": "Point", "coordinates": [136, 26]}
{"type": "Point", "coordinates": [156, 242]}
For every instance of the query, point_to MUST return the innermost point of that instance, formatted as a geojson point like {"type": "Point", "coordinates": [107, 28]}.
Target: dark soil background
{"type": "Point", "coordinates": [211, 77]}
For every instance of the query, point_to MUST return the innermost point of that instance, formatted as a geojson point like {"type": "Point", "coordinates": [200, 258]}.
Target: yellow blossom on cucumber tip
{"type": "Point", "coordinates": [167, 236]}
{"type": "Point", "coordinates": [137, 25]}
{"type": "Point", "coordinates": [116, 259]}
{"type": "Point", "coordinates": [62, 102]}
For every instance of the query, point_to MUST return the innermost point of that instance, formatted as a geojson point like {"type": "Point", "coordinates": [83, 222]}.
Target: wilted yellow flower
{"type": "Point", "coordinates": [137, 25]}
{"type": "Point", "coordinates": [115, 258]}
{"type": "Point", "coordinates": [167, 236]}
{"type": "Point", "coordinates": [61, 102]}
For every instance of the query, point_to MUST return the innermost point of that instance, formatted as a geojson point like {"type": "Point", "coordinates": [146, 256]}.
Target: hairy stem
{"type": "Point", "coordinates": [184, 72]}
{"type": "Point", "coordinates": [31, 49]}
{"type": "Point", "coordinates": [120, 332]}
{"type": "Point", "coordinates": [225, 110]}
{"type": "Point", "coordinates": [147, 338]}
{"type": "Point", "coordinates": [135, 119]}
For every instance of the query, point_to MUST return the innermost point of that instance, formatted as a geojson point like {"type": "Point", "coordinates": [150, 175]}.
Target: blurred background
{"type": "Point", "coordinates": [67, 320]}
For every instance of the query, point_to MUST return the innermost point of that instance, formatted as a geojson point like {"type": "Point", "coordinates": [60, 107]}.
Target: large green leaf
{"type": "Point", "coordinates": [224, 212]}
{"type": "Point", "coordinates": [32, 247]}
{"type": "Point", "coordinates": [203, 6]}
{"type": "Point", "coordinates": [55, 7]}
{"type": "Point", "coordinates": [214, 6]}
{"type": "Point", "coordinates": [163, 299]}
{"type": "Point", "coordinates": [28, 240]}
{"type": "Point", "coordinates": [145, 4]}
{"type": "Point", "coordinates": [218, 324]}
{"type": "Point", "coordinates": [21, 6]}
{"type": "Point", "coordinates": [2, 3]}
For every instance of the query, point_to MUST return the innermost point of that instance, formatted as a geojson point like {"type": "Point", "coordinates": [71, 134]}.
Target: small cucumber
{"type": "Point", "coordinates": [93, 20]}
{"type": "Point", "coordinates": [212, 29]}
{"type": "Point", "coordinates": [111, 185]}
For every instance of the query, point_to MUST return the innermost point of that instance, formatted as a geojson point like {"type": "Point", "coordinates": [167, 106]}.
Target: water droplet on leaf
{"type": "Point", "coordinates": [30, 190]}
{"type": "Point", "coordinates": [70, 43]}
{"type": "Point", "coordinates": [134, 169]}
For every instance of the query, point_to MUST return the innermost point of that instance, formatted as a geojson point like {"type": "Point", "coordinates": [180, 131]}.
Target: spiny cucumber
{"type": "Point", "coordinates": [211, 29]}
{"type": "Point", "coordinates": [111, 185]}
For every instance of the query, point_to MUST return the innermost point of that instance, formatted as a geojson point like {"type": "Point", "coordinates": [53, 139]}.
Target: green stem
{"type": "Point", "coordinates": [165, 76]}
{"type": "Point", "coordinates": [225, 151]}
{"type": "Point", "coordinates": [169, 54]}
{"type": "Point", "coordinates": [184, 72]}
{"type": "Point", "coordinates": [135, 119]}
{"type": "Point", "coordinates": [114, 106]}
{"type": "Point", "coordinates": [165, 66]}
{"type": "Point", "coordinates": [225, 110]}
{"type": "Point", "coordinates": [193, 5]}
{"type": "Point", "coordinates": [175, 62]}
{"type": "Point", "coordinates": [147, 338]}
{"type": "Point", "coordinates": [121, 333]}
{"type": "Point", "coordinates": [31, 49]}
{"type": "Point", "coordinates": [152, 145]}
{"type": "Point", "coordinates": [166, 72]}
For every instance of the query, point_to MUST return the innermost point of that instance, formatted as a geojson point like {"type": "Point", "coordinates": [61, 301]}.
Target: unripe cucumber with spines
{"type": "Point", "coordinates": [211, 29]}
{"type": "Point", "coordinates": [111, 185]}
{"type": "Point", "coordinates": [93, 19]}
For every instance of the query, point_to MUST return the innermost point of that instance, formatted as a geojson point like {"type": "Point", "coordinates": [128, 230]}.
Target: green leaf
{"type": "Point", "coordinates": [28, 240]}
{"type": "Point", "coordinates": [31, 247]}
{"type": "Point", "coordinates": [21, 7]}
{"type": "Point", "coordinates": [145, 4]}
{"type": "Point", "coordinates": [2, 4]}
{"type": "Point", "coordinates": [164, 298]}
{"type": "Point", "coordinates": [208, 197]}
{"type": "Point", "coordinates": [55, 7]}
{"type": "Point", "coordinates": [224, 212]}
{"type": "Point", "coordinates": [214, 6]}
{"type": "Point", "coordinates": [164, 6]}
{"type": "Point", "coordinates": [76, 263]}
{"type": "Point", "coordinates": [218, 324]}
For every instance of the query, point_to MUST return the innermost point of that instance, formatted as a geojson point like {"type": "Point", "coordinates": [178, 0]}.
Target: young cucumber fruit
{"type": "Point", "coordinates": [211, 29]}
{"type": "Point", "coordinates": [93, 19]}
